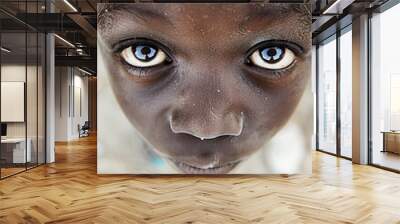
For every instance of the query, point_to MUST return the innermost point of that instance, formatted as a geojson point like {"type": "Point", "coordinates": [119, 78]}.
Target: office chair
{"type": "Point", "coordinates": [84, 130]}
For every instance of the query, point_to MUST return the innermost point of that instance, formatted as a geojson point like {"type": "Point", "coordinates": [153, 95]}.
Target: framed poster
{"type": "Point", "coordinates": [12, 101]}
{"type": "Point", "coordinates": [205, 88]}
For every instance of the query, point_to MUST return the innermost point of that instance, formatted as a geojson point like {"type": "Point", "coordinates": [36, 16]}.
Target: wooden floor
{"type": "Point", "coordinates": [70, 191]}
{"type": "Point", "coordinates": [387, 159]}
{"type": "Point", "coordinates": [5, 172]}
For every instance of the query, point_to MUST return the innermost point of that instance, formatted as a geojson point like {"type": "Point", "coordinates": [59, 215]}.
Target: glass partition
{"type": "Point", "coordinates": [22, 66]}
{"type": "Point", "coordinates": [31, 100]}
{"type": "Point", "coordinates": [13, 105]}
{"type": "Point", "coordinates": [41, 96]}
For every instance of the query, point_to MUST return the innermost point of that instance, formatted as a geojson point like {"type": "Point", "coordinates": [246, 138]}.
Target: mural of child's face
{"type": "Point", "coordinates": [206, 85]}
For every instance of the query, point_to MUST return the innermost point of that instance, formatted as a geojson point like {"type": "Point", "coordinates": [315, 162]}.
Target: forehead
{"type": "Point", "coordinates": [207, 20]}
{"type": "Point", "coordinates": [213, 9]}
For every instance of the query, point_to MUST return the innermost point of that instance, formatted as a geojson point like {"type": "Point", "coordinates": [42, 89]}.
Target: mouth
{"type": "Point", "coordinates": [220, 169]}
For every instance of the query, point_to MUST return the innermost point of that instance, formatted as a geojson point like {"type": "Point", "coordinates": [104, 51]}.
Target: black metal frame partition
{"type": "Point", "coordinates": [44, 86]}
{"type": "Point", "coordinates": [339, 32]}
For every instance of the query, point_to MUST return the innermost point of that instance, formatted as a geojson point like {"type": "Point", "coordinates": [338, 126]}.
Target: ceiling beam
{"type": "Point", "coordinates": [81, 61]}
{"type": "Point", "coordinates": [84, 24]}
{"type": "Point", "coordinates": [337, 7]}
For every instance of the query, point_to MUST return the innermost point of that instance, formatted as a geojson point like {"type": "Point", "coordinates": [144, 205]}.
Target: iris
{"type": "Point", "coordinates": [145, 53]}
{"type": "Point", "coordinates": [272, 54]}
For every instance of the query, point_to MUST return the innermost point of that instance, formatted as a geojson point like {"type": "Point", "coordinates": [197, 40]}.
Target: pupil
{"type": "Point", "coordinates": [145, 53]}
{"type": "Point", "coordinates": [271, 52]}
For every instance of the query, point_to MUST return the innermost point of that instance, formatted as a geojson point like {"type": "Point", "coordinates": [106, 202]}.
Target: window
{"type": "Point", "coordinates": [327, 95]}
{"type": "Point", "coordinates": [334, 106]}
{"type": "Point", "coordinates": [385, 89]}
{"type": "Point", "coordinates": [346, 92]}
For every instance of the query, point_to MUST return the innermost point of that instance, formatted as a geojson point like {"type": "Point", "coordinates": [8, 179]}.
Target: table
{"type": "Point", "coordinates": [16, 147]}
{"type": "Point", "coordinates": [391, 141]}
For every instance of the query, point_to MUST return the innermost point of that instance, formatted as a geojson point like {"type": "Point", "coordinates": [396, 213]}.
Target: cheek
{"type": "Point", "coordinates": [143, 110]}
{"type": "Point", "coordinates": [133, 104]}
{"type": "Point", "coordinates": [272, 107]}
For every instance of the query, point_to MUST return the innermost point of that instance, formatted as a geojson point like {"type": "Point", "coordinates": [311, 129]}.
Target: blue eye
{"type": "Point", "coordinates": [272, 54]}
{"type": "Point", "coordinates": [143, 55]}
{"type": "Point", "coordinates": [273, 58]}
{"type": "Point", "coordinates": [144, 52]}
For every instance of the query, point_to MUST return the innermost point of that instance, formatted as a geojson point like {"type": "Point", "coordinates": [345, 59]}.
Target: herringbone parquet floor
{"type": "Point", "coordinates": [70, 191]}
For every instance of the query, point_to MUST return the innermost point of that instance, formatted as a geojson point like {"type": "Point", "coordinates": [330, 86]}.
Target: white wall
{"type": "Point", "coordinates": [62, 81]}
{"type": "Point", "coordinates": [71, 102]}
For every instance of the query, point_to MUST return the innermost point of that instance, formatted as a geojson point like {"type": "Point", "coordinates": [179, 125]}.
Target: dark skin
{"type": "Point", "coordinates": [207, 106]}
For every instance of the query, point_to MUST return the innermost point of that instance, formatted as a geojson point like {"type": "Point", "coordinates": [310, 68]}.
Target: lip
{"type": "Point", "coordinates": [220, 169]}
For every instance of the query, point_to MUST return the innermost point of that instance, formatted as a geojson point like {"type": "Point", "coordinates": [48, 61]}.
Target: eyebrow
{"type": "Point", "coordinates": [276, 15]}
{"type": "Point", "coordinates": [279, 10]}
{"type": "Point", "coordinates": [135, 10]}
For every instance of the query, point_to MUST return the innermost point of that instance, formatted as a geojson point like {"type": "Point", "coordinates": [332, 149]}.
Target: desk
{"type": "Point", "coordinates": [391, 141]}
{"type": "Point", "coordinates": [15, 148]}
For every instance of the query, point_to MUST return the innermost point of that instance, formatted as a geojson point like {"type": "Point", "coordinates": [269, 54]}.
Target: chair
{"type": "Point", "coordinates": [84, 130]}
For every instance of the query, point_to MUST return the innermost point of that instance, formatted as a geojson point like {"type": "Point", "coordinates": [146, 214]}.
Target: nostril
{"type": "Point", "coordinates": [217, 138]}
{"type": "Point", "coordinates": [221, 137]}
{"type": "Point", "coordinates": [205, 128]}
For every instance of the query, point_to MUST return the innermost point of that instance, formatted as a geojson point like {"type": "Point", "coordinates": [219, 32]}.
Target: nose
{"type": "Point", "coordinates": [207, 106]}
{"type": "Point", "coordinates": [207, 125]}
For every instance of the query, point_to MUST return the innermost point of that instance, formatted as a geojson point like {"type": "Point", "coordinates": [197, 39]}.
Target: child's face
{"type": "Point", "coordinates": [206, 84]}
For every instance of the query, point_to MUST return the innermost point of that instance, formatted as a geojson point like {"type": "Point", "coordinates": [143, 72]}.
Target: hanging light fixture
{"type": "Point", "coordinates": [5, 50]}
{"type": "Point", "coordinates": [70, 5]}
{"type": "Point", "coordinates": [64, 40]}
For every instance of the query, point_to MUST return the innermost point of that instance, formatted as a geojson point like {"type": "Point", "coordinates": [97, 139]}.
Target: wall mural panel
{"type": "Point", "coordinates": [210, 88]}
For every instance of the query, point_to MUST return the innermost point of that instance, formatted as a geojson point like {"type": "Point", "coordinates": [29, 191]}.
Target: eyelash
{"type": "Point", "coordinates": [274, 74]}
{"type": "Point", "coordinates": [275, 43]}
{"type": "Point", "coordinates": [117, 49]}
{"type": "Point", "coordinates": [272, 43]}
{"type": "Point", "coordinates": [138, 71]}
